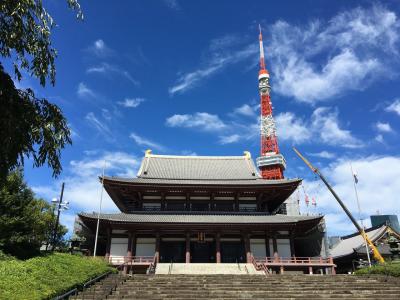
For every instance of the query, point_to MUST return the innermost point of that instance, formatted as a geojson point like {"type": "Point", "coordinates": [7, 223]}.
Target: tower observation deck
{"type": "Point", "coordinates": [271, 163]}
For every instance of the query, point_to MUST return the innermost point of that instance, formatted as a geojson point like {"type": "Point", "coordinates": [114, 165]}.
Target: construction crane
{"type": "Point", "coordinates": [375, 251]}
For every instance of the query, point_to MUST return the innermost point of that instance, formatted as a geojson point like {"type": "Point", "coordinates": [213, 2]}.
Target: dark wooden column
{"type": "Point", "coordinates": [188, 247]}
{"type": "Point", "coordinates": [275, 246]}
{"type": "Point", "coordinates": [129, 252]}
{"type": "Point", "coordinates": [157, 254]}
{"type": "Point", "coordinates": [292, 249]}
{"type": "Point", "coordinates": [218, 247]}
{"type": "Point", "coordinates": [108, 245]}
{"type": "Point", "coordinates": [247, 247]}
{"type": "Point", "coordinates": [163, 201]}
{"type": "Point", "coordinates": [237, 202]}
{"type": "Point", "coordinates": [267, 251]}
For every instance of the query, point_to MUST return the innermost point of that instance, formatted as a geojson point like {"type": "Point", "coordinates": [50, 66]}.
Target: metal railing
{"type": "Point", "coordinates": [266, 263]}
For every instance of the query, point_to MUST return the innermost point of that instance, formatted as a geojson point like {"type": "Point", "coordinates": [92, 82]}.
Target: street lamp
{"type": "Point", "coordinates": [60, 207]}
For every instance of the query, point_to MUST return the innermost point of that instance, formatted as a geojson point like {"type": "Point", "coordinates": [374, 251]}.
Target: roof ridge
{"type": "Point", "coordinates": [199, 156]}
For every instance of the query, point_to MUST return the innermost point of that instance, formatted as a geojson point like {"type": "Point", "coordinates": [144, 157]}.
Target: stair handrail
{"type": "Point", "coordinates": [259, 266]}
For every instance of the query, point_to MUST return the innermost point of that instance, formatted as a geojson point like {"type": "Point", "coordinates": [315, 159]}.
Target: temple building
{"type": "Point", "coordinates": [203, 209]}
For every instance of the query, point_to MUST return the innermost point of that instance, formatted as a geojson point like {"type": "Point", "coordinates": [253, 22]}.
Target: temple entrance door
{"type": "Point", "coordinates": [172, 251]}
{"type": "Point", "coordinates": [233, 252]}
{"type": "Point", "coordinates": [202, 252]}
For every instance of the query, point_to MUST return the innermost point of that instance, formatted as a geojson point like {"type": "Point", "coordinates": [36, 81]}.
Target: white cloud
{"type": "Point", "coordinates": [200, 120]}
{"type": "Point", "coordinates": [323, 154]}
{"type": "Point", "coordinates": [101, 127]}
{"type": "Point", "coordinates": [106, 70]}
{"type": "Point", "coordinates": [378, 188]}
{"type": "Point", "coordinates": [82, 185]}
{"type": "Point", "coordinates": [379, 138]}
{"type": "Point", "coordinates": [326, 123]}
{"type": "Point", "coordinates": [383, 127]}
{"type": "Point", "coordinates": [141, 141]}
{"type": "Point", "coordinates": [291, 128]}
{"type": "Point", "coordinates": [100, 49]}
{"type": "Point", "coordinates": [131, 102]}
{"type": "Point", "coordinates": [323, 60]}
{"type": "Point", "coordinates": [229, 139]}
{"type": "Point", "coordinates": [394, 107]}
{"type": "Point", "coordinates": [172, 4]}
{"type": "Point", "coordinates": [85, 92]}
{"type": "Point", "coordinates": [218, 61]}
{"type": "Point", "coordinates": [245, 110]}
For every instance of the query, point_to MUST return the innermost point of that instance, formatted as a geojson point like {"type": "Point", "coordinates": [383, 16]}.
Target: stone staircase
{"type": "Point", "coordinates": [179, 287]}
{"type": "Point", "coordinates": [206, 269]}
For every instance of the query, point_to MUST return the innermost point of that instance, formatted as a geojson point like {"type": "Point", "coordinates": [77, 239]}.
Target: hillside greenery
{"type": "Point", "coordinates": [391, 269]}
{"type": "Point", "coordinates": [47, 276]}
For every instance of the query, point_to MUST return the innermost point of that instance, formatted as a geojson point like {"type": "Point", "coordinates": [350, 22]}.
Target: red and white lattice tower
{"type": "Point", "coordinates": [271, 163]}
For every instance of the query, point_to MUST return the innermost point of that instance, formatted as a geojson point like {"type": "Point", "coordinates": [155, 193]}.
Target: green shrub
{"type": "Point", "coordinates": [391, 269]}
{"type": "Point", "coordinates": [47, 276]}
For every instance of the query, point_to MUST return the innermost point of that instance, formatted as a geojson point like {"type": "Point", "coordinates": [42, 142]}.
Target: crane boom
{"type": "Point", "coordinates": [375, 251]}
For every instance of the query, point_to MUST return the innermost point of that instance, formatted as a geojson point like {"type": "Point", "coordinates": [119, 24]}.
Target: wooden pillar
{"type": "Point", "coordinates": [292, 250]}
{"type": "Point", "coordinates": [310, 270]}
{"type": "Point", "coordinates": [237, 202]}
{"type": "Point", "coordinates": [163, 201]}
{"type": "Point", "coordinates": [108, 245]}
{"type": "Point", "coordinates": [129, 252]}
{"type": "Point", "coordinates": [267, 251]}
{"type": "Point", "coordinates": [275, 245]}
{"type": "Point", "coordinates": [188, 247]}
{"type": "Point", "coordinates": [157, 254]}
{"type": "Point", "coordinates": [218, 247]}
{"type": "Point", "coordinates": [247, 247]}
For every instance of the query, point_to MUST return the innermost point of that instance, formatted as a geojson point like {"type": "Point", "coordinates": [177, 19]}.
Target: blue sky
{"type": "Point", "coordinates": [180, 77]}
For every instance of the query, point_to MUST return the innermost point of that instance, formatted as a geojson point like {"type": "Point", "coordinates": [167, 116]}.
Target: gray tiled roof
{"type": "Point", "coordinates": [349, 245]}
{"type": "Point", "coordinates": [192, 218]}
{"type": "Point", "coordinates": [198, 167]}
{"type": "Point", "coordinates": [254, 181]}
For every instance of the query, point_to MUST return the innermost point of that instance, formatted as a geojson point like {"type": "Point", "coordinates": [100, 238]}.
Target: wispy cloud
{"type": "Point", "coordinates": [141, 141]}
{"type": "Point", "coordinates": [84, 91]}
{"type": "Point", "coordinates": [323, 154]}
{"type": "Point", "coordinates": [219, 60]}
{"type": "Point", "coordinates": [131, 102]}
{"type": "Point", "coordinates": [101, 127]}
{"type": "Point", "coordinates": [394, 107]}
{"type": "Point", "coordinates": [100, 49]}
{"type": "Point", "coordinates": [383, 127]}
{"type": "Point", "coordinates": [325, 122]}
{"type": "Point", "coordinates": [172, 4]}
{"type": "Point", "coordinates": [200, 120]}
{"type": "Point", "coordinates": [246, 110]}
{"type": "Point", "coordinates": [292, 128]}
{"type": "Point", "coordinates": [319, 61]}
{"type": "Point", "coordinates": [106, 69]}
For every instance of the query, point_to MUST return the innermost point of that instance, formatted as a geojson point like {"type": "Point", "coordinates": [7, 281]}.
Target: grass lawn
{"type": "Point", "coordinates": [47, 276]}
{"type": "Point", "coordinates": [392, 269]}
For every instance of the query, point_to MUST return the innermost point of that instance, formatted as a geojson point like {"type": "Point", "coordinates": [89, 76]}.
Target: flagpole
{"type": "Point", "coordinates": [98, 215]}
{"type": "Point", "coordinates": [355, 180]}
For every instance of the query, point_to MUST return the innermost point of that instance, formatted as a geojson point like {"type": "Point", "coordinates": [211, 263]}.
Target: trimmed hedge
{"type": "Point", "coordinates": [47, 276]}
{"type": "Point", "coordinates": [391, 269]}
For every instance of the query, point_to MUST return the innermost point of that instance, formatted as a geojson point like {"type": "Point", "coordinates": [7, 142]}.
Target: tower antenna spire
{"type": "Point", "coordinates": [262, 59]}
{"type": "Point", "coordinates": [271, 163]}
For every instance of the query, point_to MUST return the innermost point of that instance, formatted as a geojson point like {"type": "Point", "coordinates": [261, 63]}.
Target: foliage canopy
{"type": "Point", "coordinates": [29, 126]}
{"type": "Point", "coordinates": [25, 222]}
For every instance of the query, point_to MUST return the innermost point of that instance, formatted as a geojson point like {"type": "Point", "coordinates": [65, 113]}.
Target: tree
{"type": "Point", "coordinates": [26, 223]}
{"type": "Point", "coordinates": [29, 126]}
